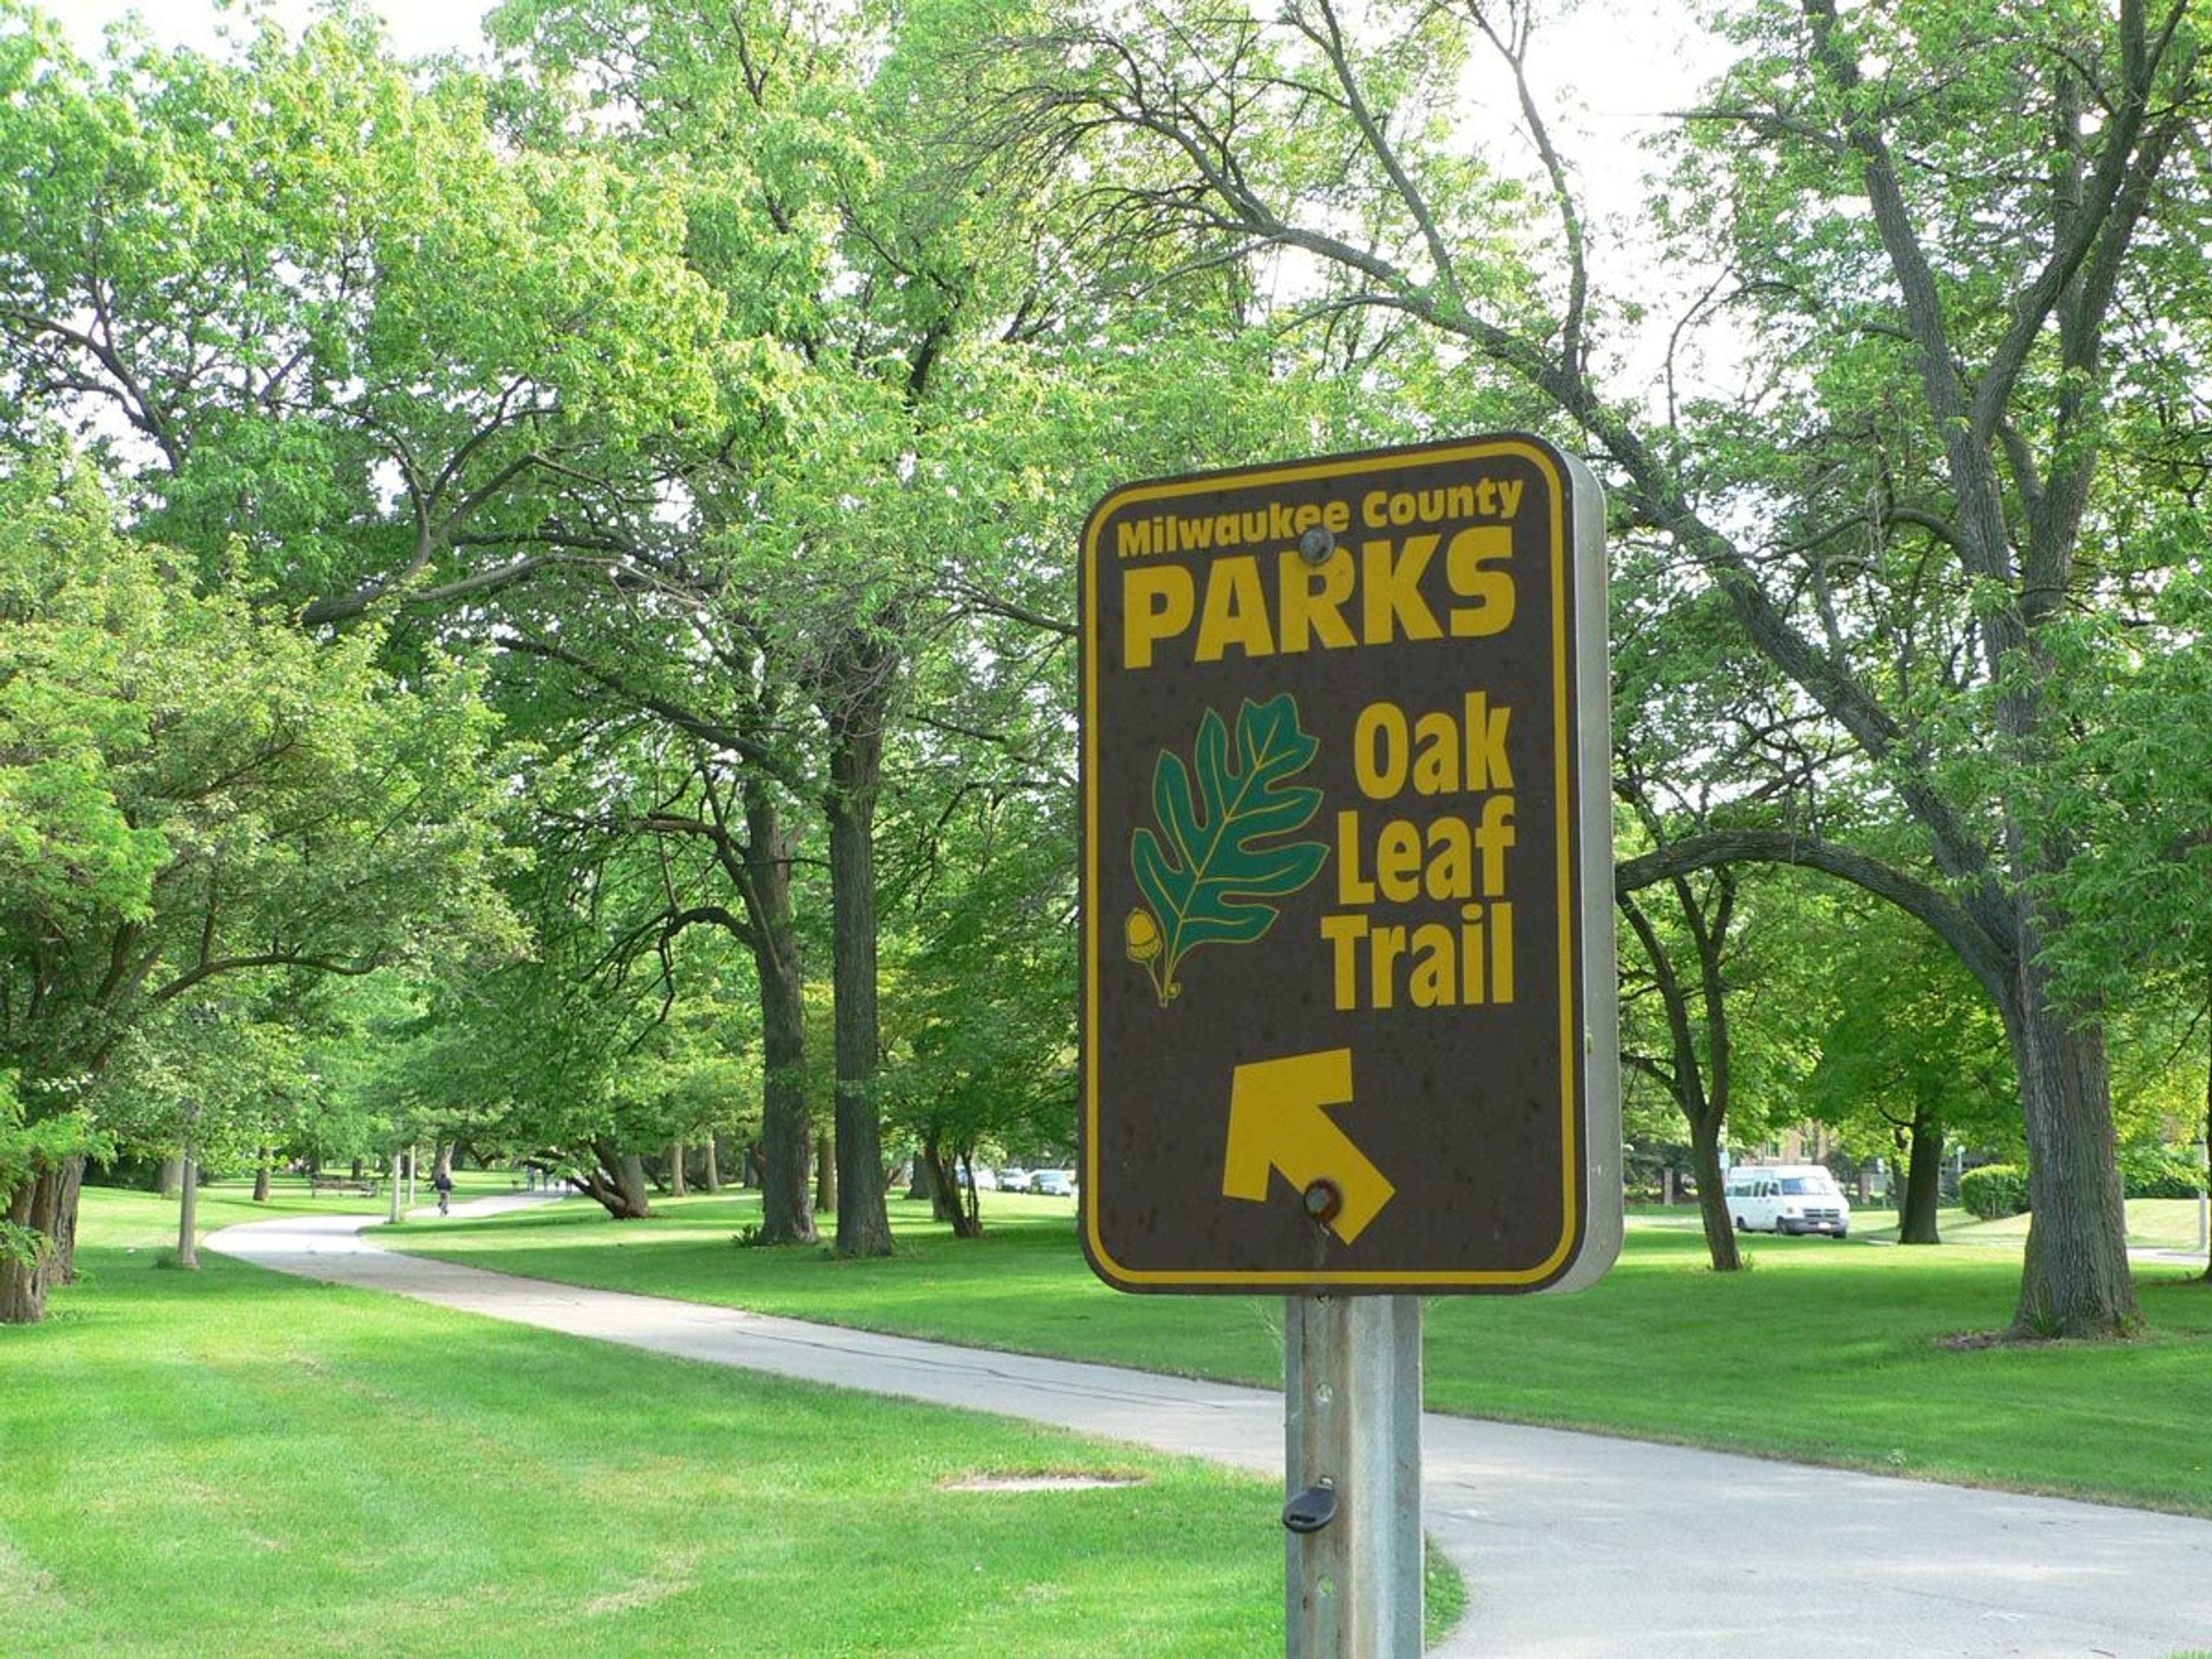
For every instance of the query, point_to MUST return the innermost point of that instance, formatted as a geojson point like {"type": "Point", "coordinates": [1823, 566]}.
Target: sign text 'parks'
{"type": "Point", "coordinates": [1347, 953]}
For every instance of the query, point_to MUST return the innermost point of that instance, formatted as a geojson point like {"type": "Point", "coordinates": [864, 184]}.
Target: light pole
{"type": "Point", "coordinates": [188, 1254]}
{"type": "Point", "coordinates": [2205, 1198]}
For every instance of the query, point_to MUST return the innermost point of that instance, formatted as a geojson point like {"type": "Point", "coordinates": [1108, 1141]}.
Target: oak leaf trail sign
{"type": "Point", "coordinates": [1347, 967]}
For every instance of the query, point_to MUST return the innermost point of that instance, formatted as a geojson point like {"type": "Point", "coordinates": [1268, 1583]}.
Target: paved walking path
{"type": "Point", "coordinates": [1571, 1545]}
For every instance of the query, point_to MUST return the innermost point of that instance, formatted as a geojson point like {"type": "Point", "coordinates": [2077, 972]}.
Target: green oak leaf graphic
{"type": "Point", "coordinates": [1206, 874]}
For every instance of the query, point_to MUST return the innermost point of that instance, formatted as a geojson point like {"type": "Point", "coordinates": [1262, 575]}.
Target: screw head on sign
{"type": "Point", "coordinates": [1324, 1200]}
{"type": "Point", "coordinates": [1316, 544]}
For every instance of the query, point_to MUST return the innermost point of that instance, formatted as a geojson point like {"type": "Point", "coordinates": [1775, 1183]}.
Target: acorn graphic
{"type": "Point", "coordinates": [1143, 935]}
{"type": "Point", "coordinates": [1141, 938]}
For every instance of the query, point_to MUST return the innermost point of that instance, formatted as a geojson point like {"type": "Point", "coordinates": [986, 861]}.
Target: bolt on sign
{"type": "Point", "coordinates": [1348, 1010]}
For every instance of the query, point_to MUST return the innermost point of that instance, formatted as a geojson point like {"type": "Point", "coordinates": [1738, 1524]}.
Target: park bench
{"type": "Point", "coordinates": [317, 1184]}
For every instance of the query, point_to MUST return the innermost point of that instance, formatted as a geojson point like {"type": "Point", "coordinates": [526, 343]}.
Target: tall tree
{"type": "Point", "coordinates": [319, 313]}
{"type": "Point", "coordinates": [415, 365]}
{"type": "Point", "coordinates": [981, 1006]}
{"type": "Point", "coordinates": [1914, 1048]}
{"type": "Point", "coordinates": [1695, 1060]}
{"type": "Point", "coordinates": [877, 304]}
{"type": "Point", "coordinates": [196, 794]}
{"type": "Point", "coordinates": [1706, 740]}
{"type": "Point", "coordinates": [2140, 885]}
{"type": "Point", "coordinates": [203, 1078]}
{"type": "Point", "coordinates": [1977, 193]}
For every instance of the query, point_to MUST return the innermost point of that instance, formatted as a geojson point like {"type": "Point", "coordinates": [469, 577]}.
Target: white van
{"type": "Point", "coordinates": [1787, 1198]}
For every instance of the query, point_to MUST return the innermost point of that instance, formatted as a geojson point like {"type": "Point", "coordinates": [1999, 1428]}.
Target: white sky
{"type": "Point", "coordinates": [1628, 61]}
{"type": "Point", "coordinates": [1622, 69]}
{"type": "Point", "coordinates": [418, 27]}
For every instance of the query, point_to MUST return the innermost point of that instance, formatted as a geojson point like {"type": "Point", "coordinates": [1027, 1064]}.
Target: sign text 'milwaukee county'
{"type": "Point", "coordinates": [1274, 599]}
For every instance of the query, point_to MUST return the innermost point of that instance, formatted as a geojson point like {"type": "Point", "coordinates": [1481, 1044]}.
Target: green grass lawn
{"type": "Point", "coordinates": [233, 1461]}
{"type": "Point", "coordinates": [2158, 1224]}
{"type": "Point", "coordinates": [2162, 1223]}
{"type": "Point", "coordinates": [1826, 1352]}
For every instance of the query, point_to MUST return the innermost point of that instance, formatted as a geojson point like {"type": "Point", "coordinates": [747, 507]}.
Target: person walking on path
{"type": "Point", "coordinates": [443, 1181]}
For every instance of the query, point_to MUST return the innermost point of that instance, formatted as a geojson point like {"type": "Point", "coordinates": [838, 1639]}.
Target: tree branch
{"type": "Point", "coordinates": [1990, 962]}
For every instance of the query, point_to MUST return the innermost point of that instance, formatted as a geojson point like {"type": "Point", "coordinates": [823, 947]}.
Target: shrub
{"type": "Point", "coordinates": [1994, 1190]}
{"type": "Point", "coordinates": [2162, 1171]}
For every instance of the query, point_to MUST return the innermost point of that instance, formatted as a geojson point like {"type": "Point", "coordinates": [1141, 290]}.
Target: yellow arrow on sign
{"type": "Point", "coordinates": [1277, 1120]}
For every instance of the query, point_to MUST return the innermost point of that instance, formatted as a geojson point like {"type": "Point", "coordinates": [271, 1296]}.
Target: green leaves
{"type": "Point", "coordinates": [1204, 875]}
{"type": "Point", "coordinates": [190, 786]}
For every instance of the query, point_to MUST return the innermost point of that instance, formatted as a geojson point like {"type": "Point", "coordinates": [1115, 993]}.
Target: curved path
{"type": "Point", "coordinates": [1571, 1545]}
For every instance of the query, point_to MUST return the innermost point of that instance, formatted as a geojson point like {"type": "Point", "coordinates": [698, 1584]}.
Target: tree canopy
{"type": "Point", "coordinates": [586, 532]}
{"type": "Point", "coordinates": [197, 794]}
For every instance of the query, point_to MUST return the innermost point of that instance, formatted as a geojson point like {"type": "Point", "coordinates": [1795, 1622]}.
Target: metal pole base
{"type": "Point", "coordinates": [1352, 1372]}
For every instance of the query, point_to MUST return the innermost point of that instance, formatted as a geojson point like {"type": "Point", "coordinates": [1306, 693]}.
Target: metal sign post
{"type": "Point", "coordinates": [1352, 1378]}
{"type": "Point", "coordinates": [1347, 959]}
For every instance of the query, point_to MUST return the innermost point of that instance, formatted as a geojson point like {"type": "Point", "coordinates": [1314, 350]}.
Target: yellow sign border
{"type": "Point", "coordinates": [1570, 963]}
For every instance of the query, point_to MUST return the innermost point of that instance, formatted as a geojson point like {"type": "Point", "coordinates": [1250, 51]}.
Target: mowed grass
{"type": "Point", "coordinates": [2153, 1224]}
{"type": "Point", "coordinates": [2163, 1223]}
{"type": "Point", "coordinates": [234, 1461]}
{"type": "Point", "coordinates": [1850, 1353]}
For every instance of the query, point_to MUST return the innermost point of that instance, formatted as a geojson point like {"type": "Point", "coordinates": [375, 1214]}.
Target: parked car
{"type": "Point", "coordinates": [1787, 1198]}
{"type": "Point", "coordinates": [986, 1181]}
{"type": "Point", "coordinates": [1014, 1181]}
{"type": "Point", "coordinates": [1054, 1184]}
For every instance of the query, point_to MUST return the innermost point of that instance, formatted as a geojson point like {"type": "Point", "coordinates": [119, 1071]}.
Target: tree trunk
{"type": "Point", "coordinates": [261, 1175]}
{"type": "Point", "coordinates": [616, 1180]}
{"type": "Point", "coordinates": [936, 1178]}
{"type": "Point", "coordinates": [785, 1217]}
{"type": "Point", "coordinates": [676, 1187]}
{"type": "Point", "coordinates": [860, 691]}
{"type": "Point", "coordinates": [951, 1198]}
{"type": "Point", "coordinates": [711, 1177]}
{"type": "Point", "coordinates": [188, 1214]}
{"type": "Point", "coordinates": [1923, 1191]}
{"type": "Point", "coordinates": [2076, 1281]}
{"type": "Point", "coordinates": [164, 1180]}
{"type": "Point", "coordinates": [44, 1204]}
{"type": "Point", "coordinates": [629, 1174]}
{"type": "Point", "coordinates": [1712, 1193]}
{"type": "Point", "coordinates": [68, 1189]}
{"type": "Point", "coordinates": [825, 1173]}
{"type": "Point", "coordinates": [1703, 1106]}
{"type": "Point", "coordinates": [24, 1267]}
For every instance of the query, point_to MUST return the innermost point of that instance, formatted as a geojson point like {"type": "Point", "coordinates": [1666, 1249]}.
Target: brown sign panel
{"type": "Point", "coordinates": [1347, 945]}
